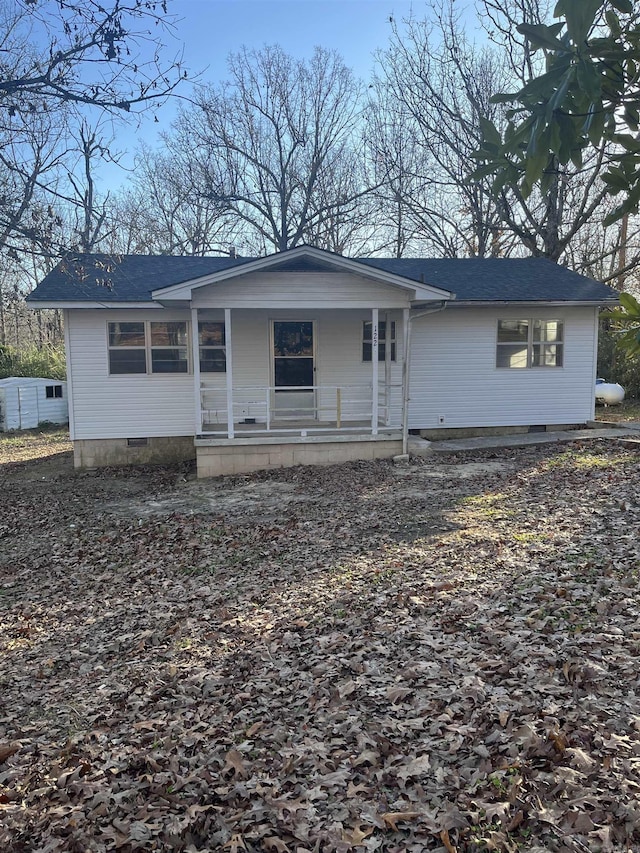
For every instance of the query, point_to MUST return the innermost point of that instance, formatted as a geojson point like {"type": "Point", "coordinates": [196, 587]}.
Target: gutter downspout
{"type": "Point", "coordinates": [405, 368]}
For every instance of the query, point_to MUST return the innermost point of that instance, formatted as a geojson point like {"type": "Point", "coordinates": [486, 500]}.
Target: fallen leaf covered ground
{"type": "Point", "coordinates": [440, 656]}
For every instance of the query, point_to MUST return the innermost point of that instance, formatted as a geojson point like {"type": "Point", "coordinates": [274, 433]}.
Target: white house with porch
{"type": "Point", "coordinates": [305, 357]}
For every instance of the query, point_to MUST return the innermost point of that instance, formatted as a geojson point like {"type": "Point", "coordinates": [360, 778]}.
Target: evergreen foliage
{"type": "Point", "coordinates": [45, 362]}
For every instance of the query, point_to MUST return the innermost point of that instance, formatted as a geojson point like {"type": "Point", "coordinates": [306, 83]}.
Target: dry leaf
{"type": "Point", "coordinates": [235, 844]}
{"type": "Point", "coordinates": [356, 835]}
{"type": "Point", "coordinates": [444, 837]}
{"type": "Point", "coordinates": [234, 761]}
{"type": "Point", "coordinates": [7, 750]}
{"type": "Point", "coordinates": [392, 819]}
{"type": "Point", "coordinates": [277, 844]}
{"type": "Point", "coordinates": [265, 661]}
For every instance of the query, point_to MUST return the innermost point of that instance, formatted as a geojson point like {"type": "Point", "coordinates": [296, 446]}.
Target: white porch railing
{"type": "Point", "coordinates": [260, 409]}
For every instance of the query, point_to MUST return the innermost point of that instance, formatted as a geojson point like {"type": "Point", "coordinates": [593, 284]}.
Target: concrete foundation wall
{"type": "Point", "coordinates": [217, 460]}
{"type": "Point", "coordinates": [99, 452]}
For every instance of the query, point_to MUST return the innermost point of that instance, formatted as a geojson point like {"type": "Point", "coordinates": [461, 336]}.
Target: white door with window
{"type": "Point", "coordinates": [293, 348]}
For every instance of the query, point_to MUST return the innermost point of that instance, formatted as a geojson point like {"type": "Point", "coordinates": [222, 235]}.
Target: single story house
{"type": "Point", "coordinates": [309, 357]}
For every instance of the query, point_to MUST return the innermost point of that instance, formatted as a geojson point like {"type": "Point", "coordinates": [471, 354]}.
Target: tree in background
{"type": "Point", "coordinates": [271, 143]}
{"type": "Point", "coordinates": [586, 99]}
{"type": "Point", "coordinates": [432, 90]}
{"type": "Point", "coordinates": [585, 105]}
{"type": "Point", "coordinates": [436, 108]}
{"type": "Point", "coordinates": [59, 60]}
{"type": "Point", "coordinates": [166, 211]}
{"type": "Point", "coordinates": [63, 63]}
{"type": "Point", "coordinates": [83, 52]}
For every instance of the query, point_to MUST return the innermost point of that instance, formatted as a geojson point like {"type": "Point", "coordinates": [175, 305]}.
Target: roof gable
{"type": "Point", "coordinates": [306, 259]}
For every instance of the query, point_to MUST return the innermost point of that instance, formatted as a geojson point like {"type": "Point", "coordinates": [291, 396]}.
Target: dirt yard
{"type": "Point", "coordinates": [440, 656]}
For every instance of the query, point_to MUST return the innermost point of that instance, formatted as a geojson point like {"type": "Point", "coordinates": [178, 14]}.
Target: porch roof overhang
{"type": "Point", "coordinates": [180, 295]}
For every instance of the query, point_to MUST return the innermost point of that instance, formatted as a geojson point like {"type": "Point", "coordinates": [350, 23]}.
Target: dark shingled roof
{"type": "Point", "coordinates": [122, 278]}
{"type": "Point", "coordinates": [132, 278]}
{"type": "Point", "coordinates": [499, 279]}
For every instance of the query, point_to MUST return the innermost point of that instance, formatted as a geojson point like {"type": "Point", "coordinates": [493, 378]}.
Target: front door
{"type": "Point", "coordinates": [293, 370]}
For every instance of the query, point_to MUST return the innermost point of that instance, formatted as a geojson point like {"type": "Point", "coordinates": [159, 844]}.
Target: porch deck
{"type": "Point", "coordinates": [295, 432]}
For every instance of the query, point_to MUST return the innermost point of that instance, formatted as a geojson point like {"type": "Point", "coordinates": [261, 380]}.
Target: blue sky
{"type": "Point", "coordinates": [211, 29]}
{"type": "Point", "coordinates": [355, 28]}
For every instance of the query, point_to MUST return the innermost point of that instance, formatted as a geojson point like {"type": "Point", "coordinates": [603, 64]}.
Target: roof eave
{"type": "Point", "coordinates": [489, 303]}
{"type": "Point", "coordinates": [53, 304]}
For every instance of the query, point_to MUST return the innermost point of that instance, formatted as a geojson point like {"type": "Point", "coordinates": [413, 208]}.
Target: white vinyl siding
{"type": "Point", "coordinates": [340, 363]}
{"type": "Point", "coordinates": [453, 371]}
{"type": "Point", "coordinates": [454, 381]}
{"type": "Point", "coordinates": [274, 290]}
{"type": "Point", "coordinates": [338, 339]}
{"type": "Point", "coordinates": [123, 405]}
{"type": "Point", "coordinates": [148, 405]}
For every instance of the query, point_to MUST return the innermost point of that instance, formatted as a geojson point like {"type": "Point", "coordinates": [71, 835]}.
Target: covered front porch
{"type": "Point", "coordinates": [299, 358]}
{"type": "Point", "coordinates": [297, 387]}
{"type": "Point", "coordinates": [299, 374]}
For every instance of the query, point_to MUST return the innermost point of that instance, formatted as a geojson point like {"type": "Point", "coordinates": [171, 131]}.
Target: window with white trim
{"type": "Point", "coordinates": [53, 391]}
{"type": "Point", "coordinates": [169, 347]}
{"type": "Point", "coordinates": [145, 346]}
{"type": "Point", "coordinates": [367, 340]}
{"type": "Point", "coordinates": [213, 351]}
{"type": "Point", "coordinates": [127, 348]}
{"type": "Point", "coordinates": [530, 343]}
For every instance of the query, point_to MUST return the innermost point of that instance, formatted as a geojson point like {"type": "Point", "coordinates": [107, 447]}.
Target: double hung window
{"type": "Point", "coordinates": [383, 340]}
{"type": "Point", "coordinates": [213, 354]}
{"type": "Point", "coordinates": [169, 347]}
{"type": "Point", "coordinates": [530, 343]}
{"type": "Point", "coordinates": [144, 346]}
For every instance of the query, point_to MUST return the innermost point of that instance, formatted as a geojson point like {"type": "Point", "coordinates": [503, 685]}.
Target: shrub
{"type": "Point", "coordinates": [47, 362]}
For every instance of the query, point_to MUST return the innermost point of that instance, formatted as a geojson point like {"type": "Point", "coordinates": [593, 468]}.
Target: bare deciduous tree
{"type": "Point", "coordinates": [442, 85]}
{"type": "Point", "coordinates": [434, 89]}
{"type": "Point", "coordinates": [270, 139]}
{"type": "Point", "coordinates": [168, 208]}
{"type": "Point", "coordinates": [84, 52]}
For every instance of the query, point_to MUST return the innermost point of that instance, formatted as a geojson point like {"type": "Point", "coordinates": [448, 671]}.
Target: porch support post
{"type": "Point", "coordinates": [229, 358]}
{"type": "Point", "coordinates": [374, 370]}
{"type": "Point", "coordinates": [195, 360]}
{"type": "Point", "coordinates": [406, 351]}
{"type": "Point", "coordinates": [387, 369]}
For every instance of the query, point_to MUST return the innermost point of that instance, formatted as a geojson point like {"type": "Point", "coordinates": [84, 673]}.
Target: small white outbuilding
{"type": "Point", "coordinates": [27, 401]}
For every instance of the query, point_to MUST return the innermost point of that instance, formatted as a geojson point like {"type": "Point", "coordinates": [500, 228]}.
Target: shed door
{"type": "Point", "coordinates": [29, 416]}
{"type": "Point", "coordinates": [294, 369]}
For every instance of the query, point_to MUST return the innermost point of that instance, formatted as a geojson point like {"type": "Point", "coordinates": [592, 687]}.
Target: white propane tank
{"type": "Point", "coordinates": [609, 393]}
